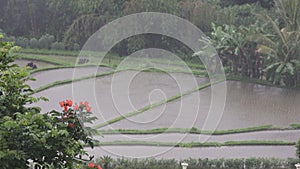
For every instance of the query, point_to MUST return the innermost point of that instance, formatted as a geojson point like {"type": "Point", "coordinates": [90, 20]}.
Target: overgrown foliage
{"type": "Point", "coordinates": [281, 43]}
{"type": "Point", "coordinates": [53, 138]}
{"type": "Point", "coordinates": [298, 149]}
{"type": "Point", "coordinates": [257, 163]}
{"type": "Point", "coordinates": [268, 49]}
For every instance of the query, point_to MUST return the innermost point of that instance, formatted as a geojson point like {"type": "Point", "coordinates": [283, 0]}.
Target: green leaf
{"type": "Point", "coordinates": [266, 50]}
{"type": "Point", "coordinates": [274, 65]}
{"type": "Point", "coordinates": [290, 68]}
{"type": "Point", "coordinates": [10, 124]}
{"type": "Point", "coordinates": [280, 68]}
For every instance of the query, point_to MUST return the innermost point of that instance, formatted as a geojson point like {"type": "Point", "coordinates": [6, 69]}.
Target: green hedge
{"type": "Point", "coordinates": [250, 163]}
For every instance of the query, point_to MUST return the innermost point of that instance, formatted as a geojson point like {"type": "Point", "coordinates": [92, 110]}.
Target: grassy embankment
{"type": "Point", "coordinates": [69, 59]}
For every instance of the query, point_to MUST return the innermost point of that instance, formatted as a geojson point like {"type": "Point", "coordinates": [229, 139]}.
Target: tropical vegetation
{"type": "Point", "coordinates": [255, 39]}
{"type": "Point", "coordinates": [28, 135]}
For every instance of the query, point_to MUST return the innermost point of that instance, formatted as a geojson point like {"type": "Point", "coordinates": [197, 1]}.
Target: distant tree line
{"type": "Point", "coordinates": [73, 21]}
{"type": "Point", "coordinates": [254, 38]}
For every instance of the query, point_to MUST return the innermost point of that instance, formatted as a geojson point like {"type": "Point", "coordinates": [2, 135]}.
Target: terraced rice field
{"type": "Point", "coordinates": [134, 125]}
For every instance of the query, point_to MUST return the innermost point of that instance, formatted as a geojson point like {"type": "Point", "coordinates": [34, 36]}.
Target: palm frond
{"type": "Point", "coordinates": [272, 66]}
{"type": "Point", "coordinates": [262, 39]}
{"type": "Point", "coordinates": [275, 26]}
{"type": "Point", "coordinates": [290, 68]}
{"type": "Point", "coordinates": [280, 68]}
{"type": "Point", "coordinates": [267, 50]}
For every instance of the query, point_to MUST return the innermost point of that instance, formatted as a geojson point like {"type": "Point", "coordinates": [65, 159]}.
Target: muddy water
{"type": "Point", "coordinates": [282, 152]}
{"type": "Point", "coordinates": [252, 104]}
{"type": "Point", "coordinates": [246, 105]}
{"type": "Point", "coordinates": [114, 95]}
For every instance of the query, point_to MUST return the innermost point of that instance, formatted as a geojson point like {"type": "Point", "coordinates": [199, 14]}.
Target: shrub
{"type": "Point", "coordinates": [76, 47]}
{"type": "Point", "coordinates": [298, 148]}
{"type": "Point", "coordinates": [22, 41]}
{"type": "Point", "coordinates": [34, 43]}
{"type": "Point", "coordinates": [234, 163]}
{"type": "Point", "coordinates": [9, 38]}
{"type": "Point", "coordinates": [46, 41]}
{"type": "Point", "coordinates": [53, 138]}
{"type": "Point", "coordinates": [244, 14]}
{"type": "Point", "coordinates": [58, 46]}
{"type": "Point", "coordinates": [251, 163]}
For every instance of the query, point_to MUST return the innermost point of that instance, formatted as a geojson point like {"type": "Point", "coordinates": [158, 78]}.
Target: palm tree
{"type": "Point", "coordinates": [282, 46]}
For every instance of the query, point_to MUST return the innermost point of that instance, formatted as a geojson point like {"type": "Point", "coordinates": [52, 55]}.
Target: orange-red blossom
{"type": "Point", "coordinates": [66, 104]}
{"type": "Point", "coordinates": [92, 165]}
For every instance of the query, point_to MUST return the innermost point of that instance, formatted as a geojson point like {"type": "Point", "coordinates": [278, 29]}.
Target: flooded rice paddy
{"type": "Point", "coordinates": [111, 96]}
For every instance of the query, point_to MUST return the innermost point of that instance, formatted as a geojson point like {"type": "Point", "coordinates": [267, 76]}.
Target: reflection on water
{"type": "Point", "coordinates": [247, 105]}
{"type": "Point", "coordinates": [252, 105]}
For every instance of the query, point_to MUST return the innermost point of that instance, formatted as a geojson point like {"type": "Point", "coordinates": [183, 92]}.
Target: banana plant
{"type": "Point", "coordinates": [282, 45]}
{"type": "Point", "coordinates": [234, 47]}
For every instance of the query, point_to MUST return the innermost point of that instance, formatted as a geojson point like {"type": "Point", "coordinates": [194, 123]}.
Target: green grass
{"type": "Point", "coordinates": [49, 68]}
{"type": "Point", "coordinates": [191, 131]}
{"type": "Point", "coordinates": [69, 58]}
{"type": "Point", "coordinates": [54, 59]}
{"type": "Point", "coordinates": [259, 143]}
{"type": "Point", "coordinates": [67, 81]}
{"type": "Point", "coordinates": [69, 61]}
{"type": "Point", "coordinates": [158, 144]}
{"type": "Point", "coordinates": [49, 52]}
{"type": "Point", "coordinates": [197, 144]}
{"type": "Point", "coordinates": [59, 67]}
{"type": "Point", "coordinates": [295, 126]}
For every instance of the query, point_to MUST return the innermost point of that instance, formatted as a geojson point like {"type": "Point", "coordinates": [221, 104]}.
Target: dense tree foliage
{"type": "Point", "coordinates": [281, 43]}
{"type": "Point", "coordinates": [26, 134]}
{"type": "Point", "coordinates": [37, 17]}
{"type": "Point", "coordinates": [259, 38]}
{"type": "Point", "coordinates": [268, 49]}
{"type": "Point", "coordinates": [264, 3]}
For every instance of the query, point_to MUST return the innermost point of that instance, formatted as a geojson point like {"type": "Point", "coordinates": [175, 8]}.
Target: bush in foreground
{"type": "Point", "coordinates": [257, 163]}
{"type": "Point", "coordinates": [56, 138]}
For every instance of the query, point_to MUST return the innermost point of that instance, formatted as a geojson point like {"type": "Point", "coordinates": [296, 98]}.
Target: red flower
{"type": "Point", "coordinates": [71, 125]}
{"type": "Point", "coordinates": [99, 167]}
{"type": "Point", "coordinates": [69, 102]}
{"type": "Point", "coordinates": [91, 165]}
{"type": "Point", "coordinates": [86, 103]}
{"type": "Point", "coordinates": [76, 107]}
{"type": "Point", "coordinates": [88, 108]}
{"type": "Point", "coordinates": [65, 108]}
{"type": "Point", "coordinates": [62, 104]}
